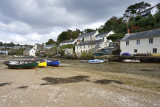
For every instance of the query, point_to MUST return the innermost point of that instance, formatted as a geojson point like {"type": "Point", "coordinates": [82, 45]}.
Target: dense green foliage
{"type": "Point", "coordinates": [7, 44]}
{"type": "Point", "coordinates": [69, 34]}
{"type": "Point", "coordinates": [135, 24]}
{"type": "Point", "coordinates": [50, 42]}
{"type": "Point", "coordinates": [138, 7]}
{"type": "Point", "coordinates": [67, 46]}
{"type": "Point", "coordinates": [88, 30]}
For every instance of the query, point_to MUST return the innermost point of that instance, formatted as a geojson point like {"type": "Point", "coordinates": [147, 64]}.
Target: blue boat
{"type": "Point", "coordinates": [55, 63]}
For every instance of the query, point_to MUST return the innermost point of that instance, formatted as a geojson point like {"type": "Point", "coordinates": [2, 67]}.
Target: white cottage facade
{"type": "Point", "coordinates": [143, 42]}
{"type": "Point", "coordinates": [29, 52]}
{"type": "Point", "coordinates": [85, 42]}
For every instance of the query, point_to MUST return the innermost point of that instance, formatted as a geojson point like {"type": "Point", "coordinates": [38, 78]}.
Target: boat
{"type": "Point", "coordinates": [131, 60]}
{"type": "Point", "coordinates": [55, 63]}
{"type": "Point", "coordinates": [83, 61]}
{"type": "Point", "coordinates": [42, 64]}
{"type": "Point", "coordinates": [95, 61]}
{"type": "Point", "coordinates": [21, 64]}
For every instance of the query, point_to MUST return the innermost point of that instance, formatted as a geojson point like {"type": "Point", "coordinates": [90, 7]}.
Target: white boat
{"type": "Point", "coordinates": [131, 60]}
{"type": "Point", "coordinates": [95, 61]}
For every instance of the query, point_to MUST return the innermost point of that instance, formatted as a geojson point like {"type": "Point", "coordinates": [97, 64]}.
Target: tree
{"type": "Point", "coordinates": [69, 34]}
{"type": "Point", "coordinates": [88, 30]}
{"type": "Point", "coordinates": [50, 42]}
{"type": "Point", "coordinates": [138, 7]}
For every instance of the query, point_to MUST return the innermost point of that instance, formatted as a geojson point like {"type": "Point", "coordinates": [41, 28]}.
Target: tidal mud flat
{"type": "Point", "coordinates": [81, 84]}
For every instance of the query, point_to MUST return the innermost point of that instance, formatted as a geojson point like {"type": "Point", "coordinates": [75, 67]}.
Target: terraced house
{"type": "Point", "coordinates": [92, 41]}
{"type": "Point", "coordinates": [142, 42]}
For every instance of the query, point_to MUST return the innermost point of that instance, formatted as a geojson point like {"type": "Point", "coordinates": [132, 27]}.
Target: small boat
{"type": "Point", "coordinates": [55, 63]}
{"type": "Point", "coordinates": [21, 64]}
{"type": "Point", "coordinates": [42, 64]}
{"type": "Point", "coordinates": [95, 61]}
{"type": "Point", "coordinates": [83, 61]}
{"type": "Point", "coordinates": [131, 60]}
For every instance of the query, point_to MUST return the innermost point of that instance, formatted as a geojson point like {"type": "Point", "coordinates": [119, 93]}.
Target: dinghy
{"type": "Point", "coordinates": [21, 64]}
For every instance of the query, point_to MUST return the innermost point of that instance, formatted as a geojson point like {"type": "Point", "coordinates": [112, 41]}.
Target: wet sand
{"type": "Point", "coordinates": [81, 85]}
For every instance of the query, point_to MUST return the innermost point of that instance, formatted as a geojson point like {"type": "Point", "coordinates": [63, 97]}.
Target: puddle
{"type": "Point", "coordinates": [52, 81]}
{"type": "Point", "coordinates": [105, 81]}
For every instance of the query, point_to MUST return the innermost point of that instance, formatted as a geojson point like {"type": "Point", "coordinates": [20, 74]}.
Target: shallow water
{"type": "Point", "coordinates": [146, 69]}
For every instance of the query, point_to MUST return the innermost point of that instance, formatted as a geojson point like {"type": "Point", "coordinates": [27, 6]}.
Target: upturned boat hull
{"type": "Point", "coordinates": [42, 64]}
{"type": "Point", "coordinates": [54, 63]}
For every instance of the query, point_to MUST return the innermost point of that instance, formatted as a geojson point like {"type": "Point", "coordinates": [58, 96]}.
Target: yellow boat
{"type": "Point", "coordinates": [42, 64]}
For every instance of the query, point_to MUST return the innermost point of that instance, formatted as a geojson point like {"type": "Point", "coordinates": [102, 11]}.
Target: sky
{"type": "Point", "coordinates": [37, 21]}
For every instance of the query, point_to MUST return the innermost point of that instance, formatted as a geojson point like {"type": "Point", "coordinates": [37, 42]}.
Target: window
{"type": "Point", "coordinates": [138, 42]}
{"type": "Point", "coordinates": [154, 50]}
{"type": "Point", "coordinates": [127, 42]}
{"type": "Point", "coordinates": [135, 50]}
{"type": "Point", "coordinates": [151, 40]}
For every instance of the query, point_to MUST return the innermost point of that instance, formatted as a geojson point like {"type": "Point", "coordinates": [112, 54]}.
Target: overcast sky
{"type": "Point", "coordinates": [36, 21]}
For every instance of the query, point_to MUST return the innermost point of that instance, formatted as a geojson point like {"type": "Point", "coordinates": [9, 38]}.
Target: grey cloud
{"type": "Point", "coordinates": [43, 16]}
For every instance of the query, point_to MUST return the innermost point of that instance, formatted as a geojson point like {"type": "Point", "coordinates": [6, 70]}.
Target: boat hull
{"type": "Point", "coordinates": [95, 61]}
{"type": "Point", "coordinates": [54, 63]}
{"type": "Point", "coordinates": [42, 64]}
{"type": "Point", "coordinates": [31, 65]}
{"type": "Point", "coordinates": [131, 61]}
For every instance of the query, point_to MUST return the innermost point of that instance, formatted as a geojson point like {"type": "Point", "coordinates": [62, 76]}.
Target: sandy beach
{"type": "Point", "coordinates": [76, 84]}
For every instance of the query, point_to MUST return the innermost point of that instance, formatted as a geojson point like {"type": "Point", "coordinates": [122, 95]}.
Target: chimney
{"type": "Point", "coordinates": [128, 31]}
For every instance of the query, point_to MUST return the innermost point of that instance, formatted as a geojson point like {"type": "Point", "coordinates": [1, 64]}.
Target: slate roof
{"type": "Point", "coordinates": [87, 43]}
{"type": "Point", "coordinates": [148, 9]}
{"type": "Point", "coordinates": [66, 41]}
{"type": "Point", "coordinates": [86, 34]}
{"type": "Point", "coordinates": [102, 34]}
{"type": "Point", "coordinates": [27, 49]}
{"type": "Point", "coordinates": [140, 35]}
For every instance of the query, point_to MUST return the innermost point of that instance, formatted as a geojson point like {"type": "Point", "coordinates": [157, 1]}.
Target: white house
{"type": "Point", "coordinates": [104, 35]}
{"type": "Point", "coordinates": [145, 13]}
{"type": "Point", "coordinates": [101, 40]}
{"type": "Point", "coordinates": [151, 11]}
{"type": "Point", "coordinates": [141, 42]}
{"type": "Point", "coordinates": [85, 42]}
{"type": "Point", "coordinates": [29, 52]}
{"type": "Point", "coordinates": [67, 42]}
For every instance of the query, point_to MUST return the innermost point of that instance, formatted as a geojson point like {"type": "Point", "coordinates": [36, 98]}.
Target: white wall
{"type": "Point", "coordinates": [81, 49]}
{"type": "Point", "coordinates": [154, 11]}
{"type": "Point", "coordinates": [143, 47]}
{"type": "Point", "coordinates": [32, 52]}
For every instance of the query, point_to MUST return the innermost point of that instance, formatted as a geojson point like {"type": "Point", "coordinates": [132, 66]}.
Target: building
{"type": "Point", "coordinates": [92, 41]}
{"type": "Point", "coordinates": [101, 40]}
{"type": "Point", "coordinates": [49, 46]}
{"type": "Point", "coordinates": [3, 52]}
{"type": "Point", "coordinates": [141, 42]}
{"type": "Point", "coordinates": [85, 42]}
{"type": "Point", "coordinates": [67, 42]}
{"type": "Point", "coordinates": [29, 52]}
{"type": "Point", "coordinates": [145, 13]}
{"type": "Point", "coordinates": [151, 11]}
{"type": "Point", "coordinates": [38, 47]}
